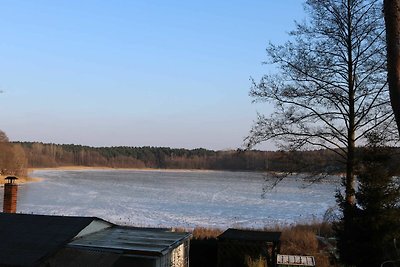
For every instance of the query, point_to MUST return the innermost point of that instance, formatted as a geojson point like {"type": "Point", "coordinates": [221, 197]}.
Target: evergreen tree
{"type": "Point", "coordinates": [368, 237]}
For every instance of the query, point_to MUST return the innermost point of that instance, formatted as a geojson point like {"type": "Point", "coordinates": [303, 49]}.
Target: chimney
{"type": "Point", "coordinates": [10, 195]}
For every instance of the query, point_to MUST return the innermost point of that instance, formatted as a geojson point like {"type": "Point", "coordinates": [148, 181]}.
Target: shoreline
{"type": "Point", "coordinates": [84, 168]}
{"type": "Point", "coordinates": [102, 168]}
{"type": "Point", "coordinates": [29, 178]}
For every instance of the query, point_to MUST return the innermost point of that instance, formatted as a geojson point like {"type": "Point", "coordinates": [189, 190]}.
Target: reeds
{"type": "Point", "coordinates": [298, 239]}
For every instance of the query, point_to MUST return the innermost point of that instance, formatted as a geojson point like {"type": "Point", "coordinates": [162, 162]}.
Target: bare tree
{"type": "Point", "coordinates": [3, 137]}
{"type": "Point", "coordinates": [392, 21]}
{"type": "Point", "coordinates": [4, 153]}
{"type": "Point", "coordinates": [12, 157]}
{"type": "Point", "coordinates": [330, 91]}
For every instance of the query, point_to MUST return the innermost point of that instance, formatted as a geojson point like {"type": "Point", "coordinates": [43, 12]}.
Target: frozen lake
{"type": "Point", "coordinates": [175, 199]}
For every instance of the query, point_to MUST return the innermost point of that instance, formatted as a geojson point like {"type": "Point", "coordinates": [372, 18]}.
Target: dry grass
{"type": "Point", "coordinates": [206, 233]}
{"type": "Point", "coordinates": [255, 262]}
{"type": "Point", "coordinates": [321, 229]}
{"type": "Point", "coordinates": [296, 241]}
{"type": "Point", "coordinates": [300, 239]}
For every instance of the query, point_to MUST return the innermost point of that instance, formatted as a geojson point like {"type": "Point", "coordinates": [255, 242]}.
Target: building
{"type": "Point", "coordinates": [237, 248]}
{"type": "Point", "coordinates": [42, 240]}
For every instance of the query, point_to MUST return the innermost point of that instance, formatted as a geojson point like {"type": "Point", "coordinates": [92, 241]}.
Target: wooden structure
{"type": "Point", "coordinates": [10, 195]}
{"type": "Point", "coordinates": [294, 261]}
{"type": "Point", "coordinates": [236, 248]}
{"type": "Point", "coordinates": [54, 241]}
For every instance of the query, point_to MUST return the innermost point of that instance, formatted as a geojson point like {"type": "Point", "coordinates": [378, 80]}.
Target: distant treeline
{"type": "Point", "coordinates": [54, 155]}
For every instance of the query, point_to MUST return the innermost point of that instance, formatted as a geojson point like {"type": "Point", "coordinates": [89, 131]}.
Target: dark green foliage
{"type": "Point", "coordinates": [366, 237]}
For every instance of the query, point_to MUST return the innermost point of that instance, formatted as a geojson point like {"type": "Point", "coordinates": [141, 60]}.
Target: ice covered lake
{"type": "Point", "coordinates": [176, 198]}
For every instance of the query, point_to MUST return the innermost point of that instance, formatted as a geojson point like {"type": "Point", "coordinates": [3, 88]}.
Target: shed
{"type": "Point", "coordinates": [138, 246]}
{"type": "Point", "coordinates": [26, 240]}
{"type": "Point", "coordinates": [42, 240]}
{"type": "Point", "coordinates": [238, 247]}
{"type": "Point", "coordinates": [294, 260]}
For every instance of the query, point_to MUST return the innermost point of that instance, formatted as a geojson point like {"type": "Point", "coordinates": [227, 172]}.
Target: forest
{"type": "Point", "coordinates": [40, 155]}
{"type": "Point", "coordinates": [16, 157]}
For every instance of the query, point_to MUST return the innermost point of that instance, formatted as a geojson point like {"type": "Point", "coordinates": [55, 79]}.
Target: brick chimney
{"type": "Point", "coordinates": [10, 195]}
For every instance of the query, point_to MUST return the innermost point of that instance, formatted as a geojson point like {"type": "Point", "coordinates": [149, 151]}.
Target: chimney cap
{"type": "Point", "coordinates": [10, 179]}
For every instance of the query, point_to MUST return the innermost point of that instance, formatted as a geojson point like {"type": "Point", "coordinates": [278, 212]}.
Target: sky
{"type": "Point", "coordinates": [136, 73]}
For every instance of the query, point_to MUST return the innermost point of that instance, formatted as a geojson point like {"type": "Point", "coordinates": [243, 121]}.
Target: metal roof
{"type": "Point", "coordinates": [295, 260]}
{"type": "Point", "coordinates": [27, 239]}
{"type": "Point", "coordinates": [250, 235]}
{"type": "Point", "coordinates": [131, 240]}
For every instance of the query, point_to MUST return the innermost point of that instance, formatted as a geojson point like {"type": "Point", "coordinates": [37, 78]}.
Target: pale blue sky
{"type": "Point", "coordinates": [136, 73]}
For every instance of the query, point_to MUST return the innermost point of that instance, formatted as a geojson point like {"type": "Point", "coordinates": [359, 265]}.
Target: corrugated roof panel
{"type": "Point", "coordinates": [132, 240]}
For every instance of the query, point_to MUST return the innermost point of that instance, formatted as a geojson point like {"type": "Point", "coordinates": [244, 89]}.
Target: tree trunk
{"type": "Point", "coordinates": [350, 183]}
{"type": "Point", "coordinates": [392, 21]}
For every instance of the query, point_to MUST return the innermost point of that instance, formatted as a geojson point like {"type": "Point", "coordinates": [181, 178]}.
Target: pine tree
{"type": "Point", "coordinates": [368, 239]}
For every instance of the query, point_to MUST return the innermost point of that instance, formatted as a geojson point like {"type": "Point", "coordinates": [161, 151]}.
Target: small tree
{"type": "Point", "coordinates": [12, 157]}
{"type": "Point", "coordinates": [367, 239]}
{"type": "Point", "coordinates": [4, 150]}
{"type": "Point", "coordinates": [3, 137]}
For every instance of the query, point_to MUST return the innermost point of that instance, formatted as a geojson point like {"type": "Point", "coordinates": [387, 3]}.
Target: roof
{"type": "Point", "coordinates": [250, 235]}
{"type": "Point", "coordinates": [27, 239]}
{"type": "Point", "coordinates": [295, 260]}
{"type": "Point", "coordinates": [132, 240]}
{"type": "Point", "coordinates": [10, 179]}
